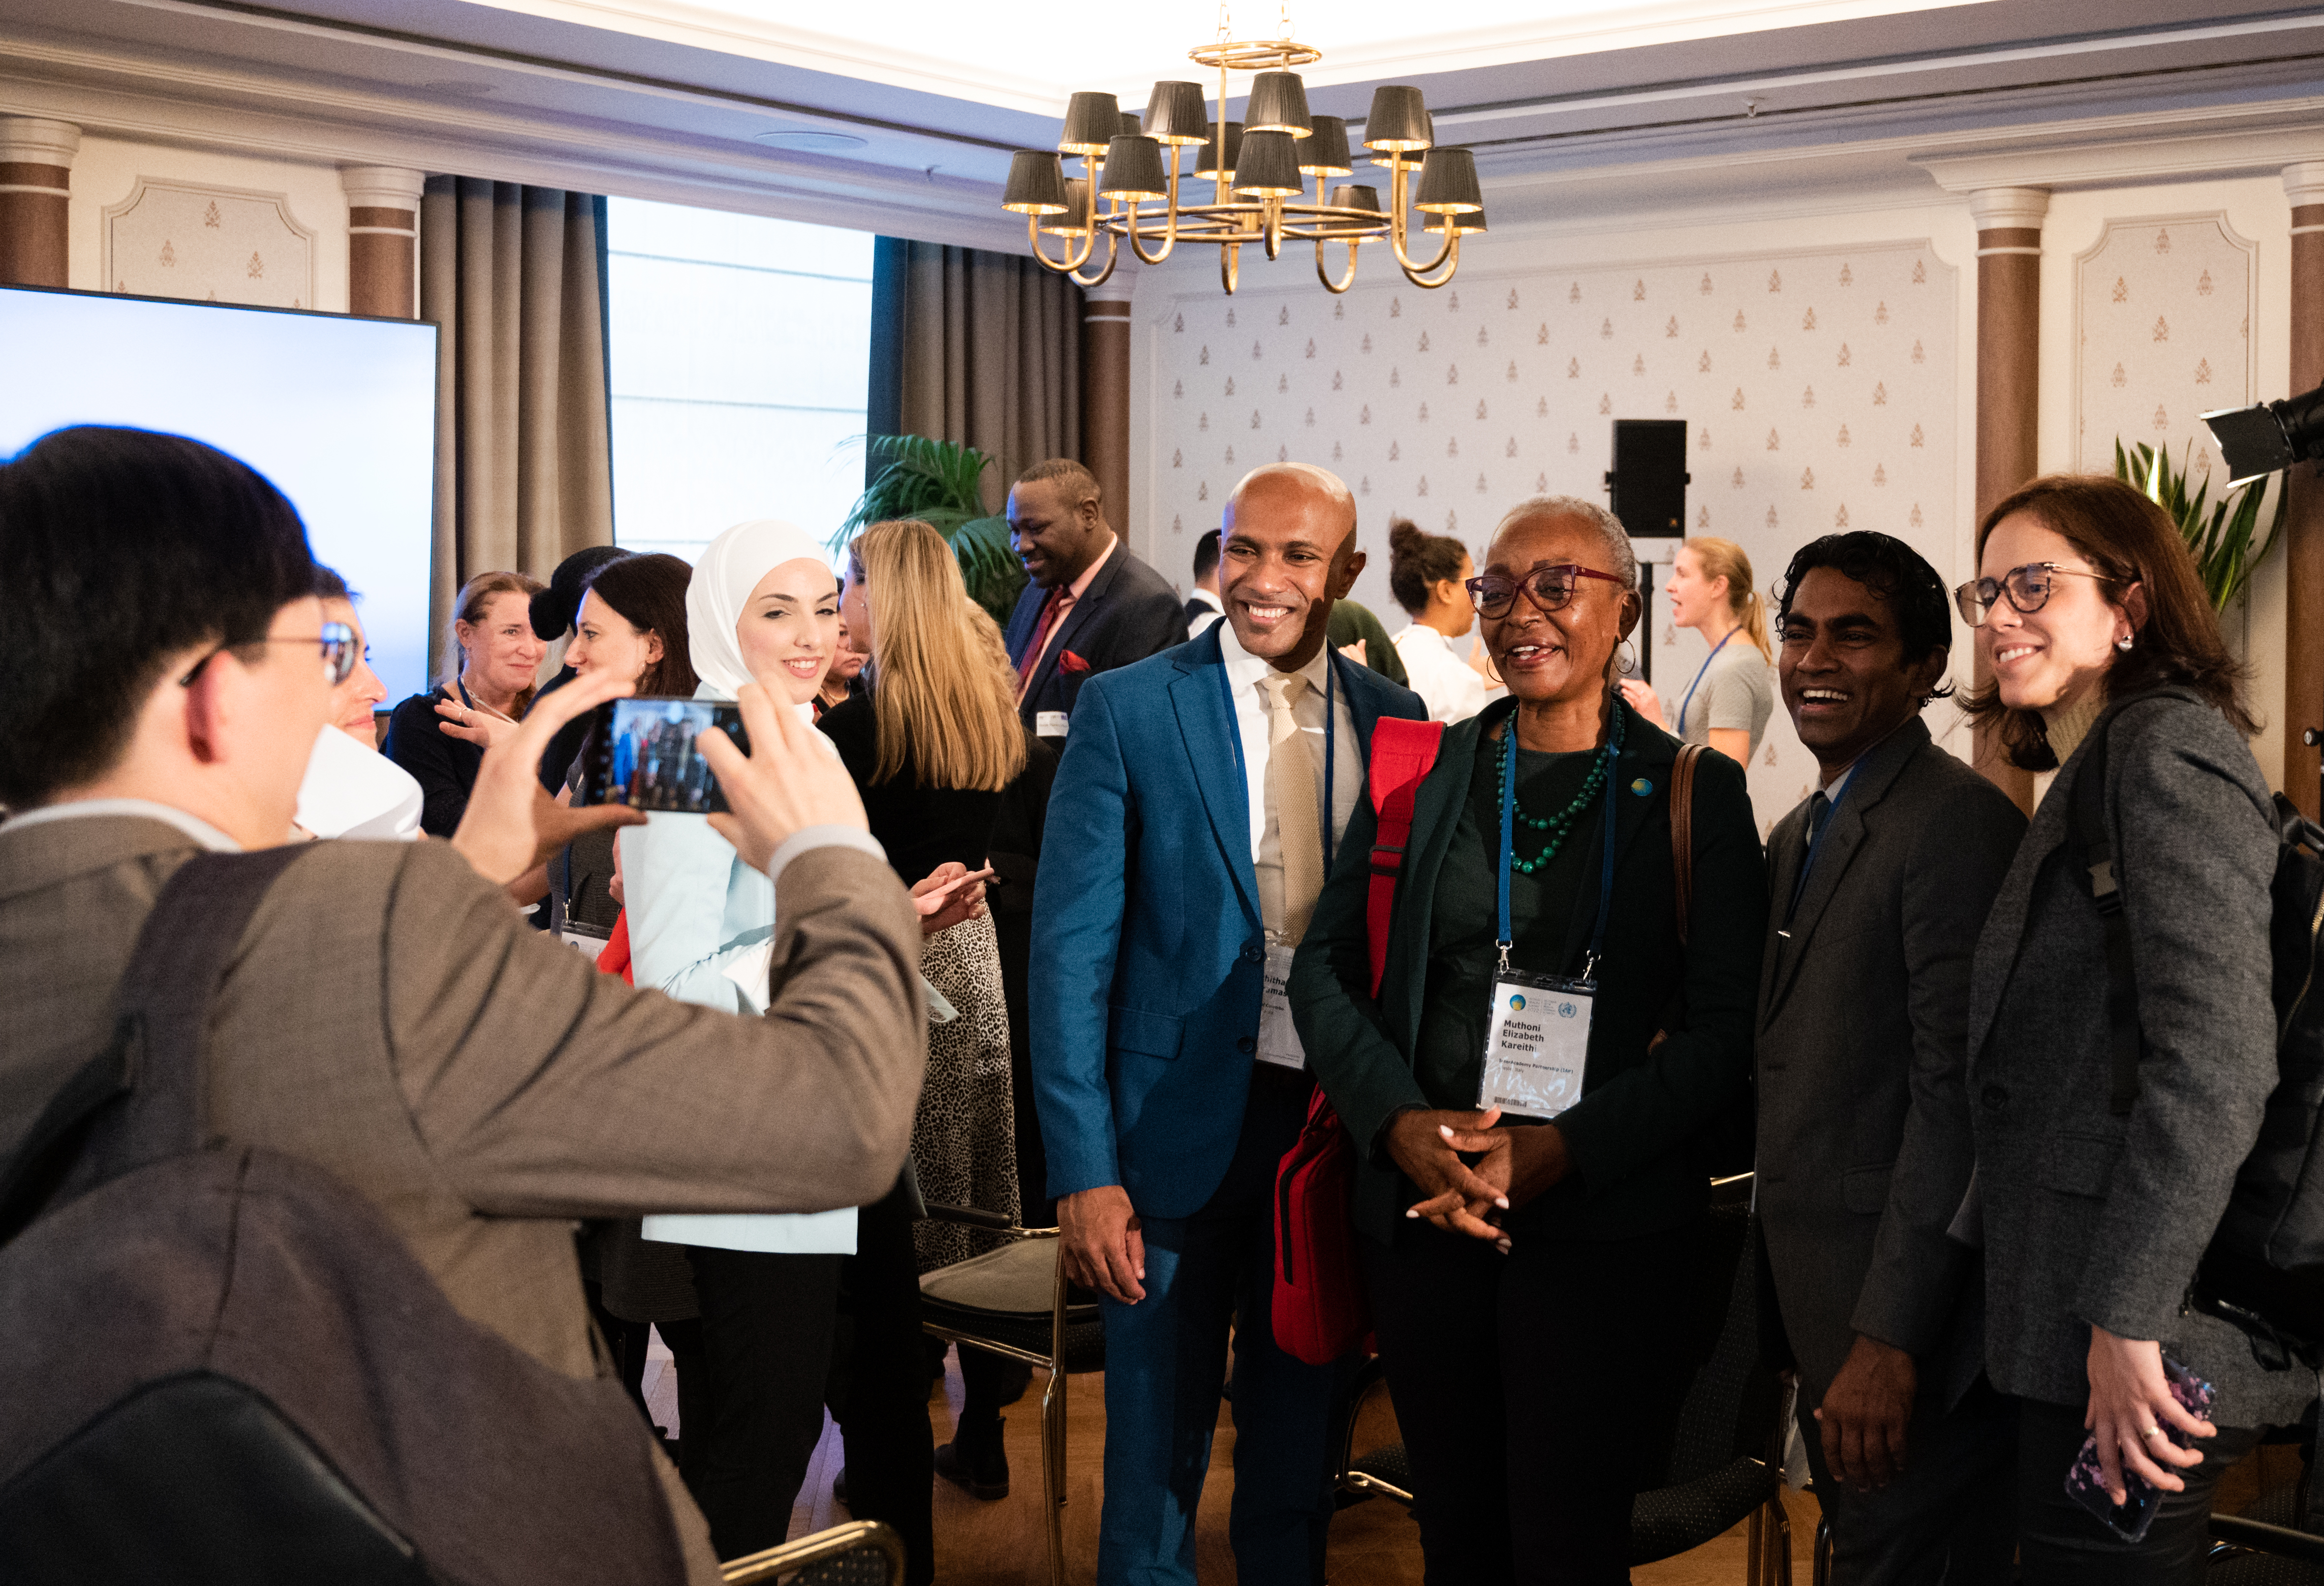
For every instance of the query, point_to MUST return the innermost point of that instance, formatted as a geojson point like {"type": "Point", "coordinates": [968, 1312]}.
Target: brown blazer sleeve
{"type": "Point", "coordinates": [544, 1088]}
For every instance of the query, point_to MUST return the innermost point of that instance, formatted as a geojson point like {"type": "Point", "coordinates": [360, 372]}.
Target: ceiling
{"type": "Point", "coordinates": [1566, 103]}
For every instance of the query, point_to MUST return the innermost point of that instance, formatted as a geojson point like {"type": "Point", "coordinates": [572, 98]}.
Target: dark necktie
{"type": "Point", "coordinates": [1819, 811]}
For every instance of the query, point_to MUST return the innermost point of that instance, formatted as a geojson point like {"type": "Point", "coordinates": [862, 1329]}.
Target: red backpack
{"type": "Point", "coordinates": [1320, 1310]}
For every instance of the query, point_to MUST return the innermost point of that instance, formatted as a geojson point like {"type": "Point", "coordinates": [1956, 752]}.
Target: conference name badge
{"type": "Point", "coordinates": [1278, 1038]}
{"type": "Point", "coordinates": [1536, 1045]}
{"type": "Point", "coordinates": [1049, 723]}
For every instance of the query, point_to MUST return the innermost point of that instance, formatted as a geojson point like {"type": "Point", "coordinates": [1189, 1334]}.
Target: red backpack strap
{"type": "Point", "coordinates": [1403, 752]}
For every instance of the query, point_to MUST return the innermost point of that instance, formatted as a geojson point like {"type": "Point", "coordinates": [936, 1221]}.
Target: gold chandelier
{"type": "Point", "coordinates": [1259, 169]}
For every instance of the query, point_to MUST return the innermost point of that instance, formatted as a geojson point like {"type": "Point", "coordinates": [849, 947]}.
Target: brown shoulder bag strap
{"type": "Point", "coordinates": [1681, 824]}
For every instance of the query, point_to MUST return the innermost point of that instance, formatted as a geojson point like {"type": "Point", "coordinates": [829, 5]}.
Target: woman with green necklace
{"type": "Point", "coordinates": [1534, 1304]}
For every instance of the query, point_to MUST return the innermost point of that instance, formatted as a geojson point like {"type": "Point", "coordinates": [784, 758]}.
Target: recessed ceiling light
{"type": "Point", "coordinates": [464, 86]}
{"type": "Point", "coordinates": [817, 142]}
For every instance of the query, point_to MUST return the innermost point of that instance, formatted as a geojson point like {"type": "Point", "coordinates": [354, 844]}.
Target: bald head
{"type": "Point", "coordinates": [1287, 552]}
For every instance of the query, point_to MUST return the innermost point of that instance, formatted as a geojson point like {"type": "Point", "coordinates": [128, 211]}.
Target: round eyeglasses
{"type": "Point", "coordinates": [2027, 590]}
{"type": "Point", "coordinates": [1548, 588]}
{"type": "Point", "coordinates": [336, 641]}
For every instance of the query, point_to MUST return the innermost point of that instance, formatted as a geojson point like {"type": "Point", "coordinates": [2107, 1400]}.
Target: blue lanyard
{"type": "Point", "coordinates": [1508, 845]}
{"type": "Point", "coordinates": [1705, 666]}
{"type": "Point", "coordinates": [1815, 843]}
{"type": "Point", "coordinates": [1330, 741]}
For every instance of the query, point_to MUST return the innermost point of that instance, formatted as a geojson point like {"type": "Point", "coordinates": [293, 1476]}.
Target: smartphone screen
{"type": "Point", "coordinates": [642, 752]}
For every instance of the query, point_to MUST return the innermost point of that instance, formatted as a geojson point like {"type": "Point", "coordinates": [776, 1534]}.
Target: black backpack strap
{"type": "Point", "coordinates": [142, 1098]}
{"type": "Point", "coordinates": [2092, 841]}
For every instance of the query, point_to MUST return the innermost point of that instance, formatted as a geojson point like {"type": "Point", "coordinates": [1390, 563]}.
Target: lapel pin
{"type": "Point", "coordinates": [1642, 787]}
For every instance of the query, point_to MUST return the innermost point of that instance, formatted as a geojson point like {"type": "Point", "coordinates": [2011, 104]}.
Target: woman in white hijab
{"type": "Point", "coordinates": [764, 604]}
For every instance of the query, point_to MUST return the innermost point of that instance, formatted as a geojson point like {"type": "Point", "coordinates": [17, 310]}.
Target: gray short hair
{"type": "Point", "coordinates": [1609, 527]}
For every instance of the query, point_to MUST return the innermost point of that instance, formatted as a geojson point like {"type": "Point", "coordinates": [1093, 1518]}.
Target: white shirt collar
{"type": "Point", "coordinates": [193, 826]}
{"type": "Point", "coordinates": [1210, 600]}
{"type": "Point", "coordinates": [1244, 668]}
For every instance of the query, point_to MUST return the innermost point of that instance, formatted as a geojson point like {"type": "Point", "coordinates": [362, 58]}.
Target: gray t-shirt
{"type": "Point", "coordinates": [1735, 690]}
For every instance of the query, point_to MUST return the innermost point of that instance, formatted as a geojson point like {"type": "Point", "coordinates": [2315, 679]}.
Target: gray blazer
{"type": "Point", "coordinates": [2089, 1218]}
{"type": "Point", "coordinates": [1864, 1131]}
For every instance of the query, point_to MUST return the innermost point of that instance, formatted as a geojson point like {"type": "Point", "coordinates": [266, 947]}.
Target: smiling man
{"type": "Point", "coordinates": [1197, 807]}
{"type": "Point", "coordinates": [1091, 605]}
{"type": "Point", "coordinates": [1880, 882]}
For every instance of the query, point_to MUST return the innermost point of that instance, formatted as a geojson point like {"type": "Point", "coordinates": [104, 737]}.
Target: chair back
{"type": "Point", "coordinates": [1732, 1404]}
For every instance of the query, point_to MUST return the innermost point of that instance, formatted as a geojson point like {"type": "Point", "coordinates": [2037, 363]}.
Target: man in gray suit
{"type": "Point", "coordinates": [1880, 884]}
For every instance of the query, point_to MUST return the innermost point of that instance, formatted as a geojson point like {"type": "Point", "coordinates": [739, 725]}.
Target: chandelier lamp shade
{"type": "Point", "coordinates": [1259, 169]}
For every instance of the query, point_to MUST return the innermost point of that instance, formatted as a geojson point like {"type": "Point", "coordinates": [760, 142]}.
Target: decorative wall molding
{"type": "Point", "coordinates": [174, 239]}
{"type": "Point", "coordinates": [2163, 311]}
{"type": "Point", "coordinates": [2161, 148]}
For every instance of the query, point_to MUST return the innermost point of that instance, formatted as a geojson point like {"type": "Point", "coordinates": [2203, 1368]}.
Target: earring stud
{"type": "Point", "coordinates": [2123, 643]}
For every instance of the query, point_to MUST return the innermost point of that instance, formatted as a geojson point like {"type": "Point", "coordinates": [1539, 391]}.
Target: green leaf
{"type": "Point", "coordinates": [2220, 535]}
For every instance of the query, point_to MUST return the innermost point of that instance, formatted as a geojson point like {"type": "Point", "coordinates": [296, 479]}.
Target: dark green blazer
{"type": "Point", "coordinates": [1635, 1135]}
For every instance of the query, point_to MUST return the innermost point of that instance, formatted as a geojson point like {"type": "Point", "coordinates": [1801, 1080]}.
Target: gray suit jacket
{"type": "Point", "coordinates": [1864, 1132]}
{"type": "Point", "coordinates": [389, 1017]}
{"type": "Point", "coordinates": [2089, 1218]}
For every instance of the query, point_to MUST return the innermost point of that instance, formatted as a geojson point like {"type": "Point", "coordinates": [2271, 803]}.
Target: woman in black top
{"type": "Point", "coordinates": [932, 746]}
{"type": "Point", "coordinates": [1537, 1312]}
{"type": "Point", "coordinates": [494, 654]}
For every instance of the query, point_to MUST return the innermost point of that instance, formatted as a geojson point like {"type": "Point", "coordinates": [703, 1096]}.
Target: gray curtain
{"type": "Point", "coordinates": [515, 276]}
{"type": "Point", "coordinates": [991, 349]}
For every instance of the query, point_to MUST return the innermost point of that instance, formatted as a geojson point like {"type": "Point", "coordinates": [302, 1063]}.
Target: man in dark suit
{"type": "Point", "coordinates": [1203, 607]}
{"type": "Point", "coordinates": [1879, 884]}
{"type": "Point", "coordinates": [1197, 808]}
{"type": "Point", "coordinates": [1091, 605]}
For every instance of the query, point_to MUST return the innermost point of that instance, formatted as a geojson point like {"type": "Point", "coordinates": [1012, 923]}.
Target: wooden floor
{"type": "Point", "coordinates": [1002, 1543]}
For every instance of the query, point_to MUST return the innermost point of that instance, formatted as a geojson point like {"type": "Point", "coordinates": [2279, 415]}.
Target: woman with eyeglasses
{"type": "Point", "coordinates": [351, 790]}
{"type": "Point", "coordinates": [1537, 1304]}
{"type": "Point", "coordinates": [2098, 1190]}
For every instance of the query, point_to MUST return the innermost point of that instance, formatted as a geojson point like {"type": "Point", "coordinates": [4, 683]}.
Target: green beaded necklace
{"type": "Point", "coordinates": [1561, 825]}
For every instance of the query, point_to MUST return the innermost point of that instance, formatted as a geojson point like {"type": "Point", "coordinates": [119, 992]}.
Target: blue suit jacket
{"type": "Point", "coordinates": [1148, 945]}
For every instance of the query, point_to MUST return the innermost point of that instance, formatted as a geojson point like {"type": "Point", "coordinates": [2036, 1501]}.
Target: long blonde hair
{"type": "Point", "coordinates": [943, 698]}
{"type": "Point", "coordinates": [1723, 558]}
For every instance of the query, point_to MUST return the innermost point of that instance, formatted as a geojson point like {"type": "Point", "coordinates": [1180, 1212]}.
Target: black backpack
{"type": "Point", "coordinates": [2264, 1270]}
{"type": "Point", "coordinates": [223, 1365]}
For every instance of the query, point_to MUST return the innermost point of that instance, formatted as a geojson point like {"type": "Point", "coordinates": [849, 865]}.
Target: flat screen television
{"type": "Point", "coordinates": [338, 411]}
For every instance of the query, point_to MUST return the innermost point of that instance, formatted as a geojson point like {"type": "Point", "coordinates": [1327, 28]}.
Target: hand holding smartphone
{"type": "Point", "coordinates": [2086, 1480]}
{"type": "Point", "coordinates": [644, 753]}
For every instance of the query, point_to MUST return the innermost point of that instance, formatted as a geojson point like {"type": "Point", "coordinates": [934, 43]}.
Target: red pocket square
{"type": "Point", "coordinates": [1067, 661]}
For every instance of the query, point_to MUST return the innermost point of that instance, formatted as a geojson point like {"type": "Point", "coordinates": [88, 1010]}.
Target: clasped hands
{"type": "Point", "coordinates": [1513, 1165]}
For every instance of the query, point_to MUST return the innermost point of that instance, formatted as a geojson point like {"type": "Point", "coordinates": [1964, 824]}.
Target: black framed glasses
{"type": "Point", "coordinates": [1548, 588]}
{"type": "Point", "coordinates": [2028, 589]}
{"type": "Point", "coordinates": [336, 641]}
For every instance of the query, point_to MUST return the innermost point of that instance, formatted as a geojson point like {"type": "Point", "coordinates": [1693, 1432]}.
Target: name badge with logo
{"type": "Point", "coordinates": [1049, 723]}
{"type": "Point", "coordinates": [1278, 1038]}
{"type": "Point", "coordinates": [1536, 1045]}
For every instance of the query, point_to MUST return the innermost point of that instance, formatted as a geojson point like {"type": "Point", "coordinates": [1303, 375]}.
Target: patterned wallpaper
{"type": "Point", "coordinates": [2163, 306]}
{"type": "Point", "coordinates": [1819, 389]}
{"type": "Point", "coordinates": [213, 244]}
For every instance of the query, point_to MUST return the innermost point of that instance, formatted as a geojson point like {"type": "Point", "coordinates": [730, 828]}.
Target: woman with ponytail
{"type": "Point", "coordinates": [1426, 573]}
{"type": "Point", "coordinates": [1732, 693]}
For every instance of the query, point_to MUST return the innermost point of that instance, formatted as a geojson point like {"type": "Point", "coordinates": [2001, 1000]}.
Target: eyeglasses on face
{"type": "Point", "coordinates": [2028, 589]}
{"type": "Point", "coordinates": [336, 642]}
{"type": "Point", "coordinates": [1548, 588]}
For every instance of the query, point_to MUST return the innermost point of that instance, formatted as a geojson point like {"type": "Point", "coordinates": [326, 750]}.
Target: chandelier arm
{"type": "Point", "coordinates": [1438, 274]}
{"type": "Point", "coordinates": [1055, 266]}
{"type": "Point", "coordinates": [1170, 219]}
{"type": "Point", "coordinates": [1271, 222]}
{"type": "Point", "coordinates": [1113, 256]}
{"type": "Point", "coordinates": [1229, 265]}
{"type": "Point", "coordinates": [1398, 230]}
{"type": "Point", "coordinates": [1335, 286]}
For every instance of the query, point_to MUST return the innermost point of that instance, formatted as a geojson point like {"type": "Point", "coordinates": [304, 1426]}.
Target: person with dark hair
{"type": "Point", "coordinates": [1880, 882]}
{"type": "Point", "coordinates": [2097, 1191]}
{"type": "Point", "coordinates": [490, 657]}
{"type": "Point", "coordinates": [1203, 607]}
{"type": "Point", "coordinates": [385, 1017]}
{"type": "Point", "coordinates": [1091, 605]}
{"type": "Point", "coordinates": [1426, 573]}
{"type": "Point", "coordinates": [551, 613]}
{"type": "Point", "coordinates": [1528, 1230]}
{"type": "Point", "coordinates": [351, 790]}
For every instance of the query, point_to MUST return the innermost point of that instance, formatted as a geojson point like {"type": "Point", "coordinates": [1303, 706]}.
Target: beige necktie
{"type": "Point", "coordinates": [1291, 778]}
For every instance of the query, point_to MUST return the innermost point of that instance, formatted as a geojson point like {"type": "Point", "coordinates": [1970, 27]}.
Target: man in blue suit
{"type": "Point", "coordinates": [1197, 808]}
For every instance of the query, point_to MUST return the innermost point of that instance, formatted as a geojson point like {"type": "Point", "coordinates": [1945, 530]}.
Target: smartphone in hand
{"type": "Point", "coordinates": [2086, 1483]}
{"type": "Point", "coordinates": [642, 752]}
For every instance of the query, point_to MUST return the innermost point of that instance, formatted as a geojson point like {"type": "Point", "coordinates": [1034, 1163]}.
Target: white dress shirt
{"type": "Point", "coordinates": [1254, 717]}
{"type": "Point", "coordinates": [1196, 627]}
{"type": "Point", "coordinates": [1447, 685]}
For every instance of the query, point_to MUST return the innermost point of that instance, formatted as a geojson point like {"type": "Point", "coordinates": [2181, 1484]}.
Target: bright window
{"type": "Point", "coordinates": [739, 350]}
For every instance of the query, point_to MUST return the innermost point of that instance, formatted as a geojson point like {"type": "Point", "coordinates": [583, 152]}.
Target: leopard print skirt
{"type": "Point", "coordinates": [965, 1135]}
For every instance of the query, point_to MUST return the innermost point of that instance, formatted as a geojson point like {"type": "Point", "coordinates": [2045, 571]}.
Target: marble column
{"type": "Point", "coordinates": [1105, 397]}
{"type": "Point", "coordinates": [2303, 528]}
{"type": "Point", "coordinates": [35, 188]}
{"type": "Point", "coordinates": [382, 240]}
{"type": "Point", "coordinates": [2008, 385]}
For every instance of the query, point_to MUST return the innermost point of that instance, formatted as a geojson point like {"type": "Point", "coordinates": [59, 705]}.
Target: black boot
{"type": "Point", "coordinates": [976, 1459]}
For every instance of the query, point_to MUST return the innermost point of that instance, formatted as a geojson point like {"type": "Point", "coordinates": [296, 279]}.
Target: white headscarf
{"type": "Point", "coordinates": [729, 568]}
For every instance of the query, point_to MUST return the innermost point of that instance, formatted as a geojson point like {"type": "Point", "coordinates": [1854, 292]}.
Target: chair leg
{"type": "Point", "coordinates": [1782, 1540]}
{"type": "Point", "coordinates": [1754, 1546]}
{"type": "Point", "coordinates": [1052, 1470]}
{"type": "Point", "coordinates": [1819, 1571]}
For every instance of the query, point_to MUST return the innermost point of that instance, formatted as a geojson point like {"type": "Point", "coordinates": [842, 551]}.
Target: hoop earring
{"type": "Point", "coordinates": [1626, 665]}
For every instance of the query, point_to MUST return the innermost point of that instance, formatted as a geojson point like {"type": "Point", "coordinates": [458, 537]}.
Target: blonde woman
{"type": "Point", "coordinates": [1732, 693]}
{"type": "Point", "coordinates": [492, 655]}
{"type": "Point", "coordinates": [932, 745]}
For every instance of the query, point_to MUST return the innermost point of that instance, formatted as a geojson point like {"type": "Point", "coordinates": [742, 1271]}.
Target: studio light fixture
{"type": "Point", "coordinates": [1258, 168]}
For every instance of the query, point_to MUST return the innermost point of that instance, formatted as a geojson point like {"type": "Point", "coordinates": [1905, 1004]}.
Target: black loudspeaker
{"type": "Point", "coordinates": [1649, 477]}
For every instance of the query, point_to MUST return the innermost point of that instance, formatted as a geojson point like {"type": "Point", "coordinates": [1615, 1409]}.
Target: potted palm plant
{"type": "Point", "coordinates": [2222, 538]}
{"type": "Point", "coordinates": [939, 482]}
